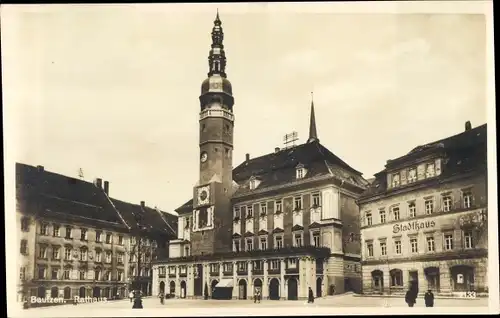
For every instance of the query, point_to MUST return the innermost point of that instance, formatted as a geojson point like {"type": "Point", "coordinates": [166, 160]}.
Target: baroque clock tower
{"type": "Point", "coordinates": [212, 217]}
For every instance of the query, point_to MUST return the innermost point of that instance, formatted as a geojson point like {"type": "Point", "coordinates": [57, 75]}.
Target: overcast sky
{"type": "Point", "coordinates": [114, 90]}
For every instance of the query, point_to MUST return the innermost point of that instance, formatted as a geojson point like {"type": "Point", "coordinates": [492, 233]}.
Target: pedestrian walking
{"type": "Point", "coordinates": [162, 298]}
{"type": "Point", "coordinates": [429, 299]}
{"type": "Point", "coordinates": [411, 295]}
{"type": "Point", "coordinates": [131, 295]}
{"type": "Point", "coordinates": [310, 298]}
{"type": "Point", "coordinates": [256, 298]}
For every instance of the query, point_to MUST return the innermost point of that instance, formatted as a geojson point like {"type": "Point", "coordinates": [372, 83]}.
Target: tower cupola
{"type": "Point", "coordinates": [217, 88]}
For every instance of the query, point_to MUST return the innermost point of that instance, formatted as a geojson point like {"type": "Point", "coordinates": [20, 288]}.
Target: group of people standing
{"type": "Point", "coordinates": [412, 294]}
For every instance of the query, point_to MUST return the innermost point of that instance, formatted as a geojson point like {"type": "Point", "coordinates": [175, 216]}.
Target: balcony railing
{"type": "Point", "coordinates": [242, 271]}
{"type": "Point", "coordinates": [294, 270]}
{"type": "Point", "coordinates": [227, 273]}
{"type": "Point", "coordinates": [274, 271]}
{"type": "Point", "coordinates": [258, 271]}
{"type": "Point", "coordinates": [214, 273]}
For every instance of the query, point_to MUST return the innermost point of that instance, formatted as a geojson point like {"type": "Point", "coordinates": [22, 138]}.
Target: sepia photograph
{"type": "Point", "coordinates": [219, 159]}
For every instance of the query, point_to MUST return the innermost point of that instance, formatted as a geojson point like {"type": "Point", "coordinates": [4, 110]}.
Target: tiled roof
{"type": "Point", "coordinates": [53, 193]}
{"type": "Point", "coordinates": [152, 219]}
{"type": "Point", "coordinates": [465, 152]}
{"type": "Point", "coordinates": [278, 168]}
{"type": "Point", "coordinates": [73, 199]}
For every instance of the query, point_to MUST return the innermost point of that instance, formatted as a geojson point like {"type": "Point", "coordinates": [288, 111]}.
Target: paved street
{"type": "Point", "coordinates": [341, 301]}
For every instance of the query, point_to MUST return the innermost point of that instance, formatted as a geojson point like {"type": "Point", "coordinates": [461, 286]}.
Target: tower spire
{"type": "Point", "coordinates": [313, 135]}
{"type": "Point", "coordinates": [217, 56]}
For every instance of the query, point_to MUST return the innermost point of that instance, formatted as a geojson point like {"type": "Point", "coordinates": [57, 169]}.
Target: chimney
{"type": "Point", "coordinates": [468, 125]}
{"type": "Point", "coordinates": [247, 157]}
{"type": "Point", "coordinates": [143, 204]}
{"type": "Point", "coordinates": [277, 149]}
{"type": "Point", "coordinates": [40, 168]}
{"type": "Point", "coordinates": [106, 187]}
{"type": "Point", "coordinates": [98, 183]}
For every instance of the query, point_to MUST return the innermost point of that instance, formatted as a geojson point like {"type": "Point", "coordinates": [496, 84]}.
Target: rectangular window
{"type": "Point", "coordinates": [41, 272]}
{"type": "Point", "coordinates": [236, 212]}
{"type": "Point", "coordinates": [83, 254]}
{"type": "Point", "coordinates": [292, 263]}
{"type": "Point", "coordinates": [412, 210]}
{"type": "Point", "coordinates": [316, 239]}
{"type": "Point", "coordinates": [249, 246]}
{"type": "Point", "coordinates": [55, 253]}
{"type": "Point", "coordinates": [54, 273]}
{"type": "Point", "coordinates": [66, 274]}
{"type": "Point", "coordinates": [120, 276]}
{"type": "Point", "coordinates": [109, 237]}
{"type": "Point", "coordinates": [467, 199]}
{"type": "Point", "coordinates": [447, 203]}
{"type": "Point", "coordinates": [83, 235]}
{"type": "Point", "coordinates": [369, 220]}
{"type": "Point", "coordinates": [44, 229]}
{"type": "Point", "coordinates": [55, 230]}
{"type": "Point", "coordinates": [383, 248]}
{"type": "Point", "coordinates": [278, 242]}
{"type": "Point", "coordinates": [82, 275]}
{"type": "Point", "coordinates": [263, 243]}
{"type": "Point", "coordinates": [412, 175]}
{"type": "Point", "coordinates": [300, 173]}
{"type": "Point", "coordinates": [278, 206]}
{"type": "Point", "coordinates": [25, 224]}
{"type": "Point", "coordinates": [98, 236]}
{"type": "Point", "coordinates": [448, 242]}
{"type": "Point", "coordinates": [22, 273]}
{"type": "Point", "coordinates": [227, 267]}
{"type": "Point", "coordinates": [395, 213]}
{"type": "Point", "coordinates": [297, 203]}
{"type": "Point", "coordinates": [24, 247]}
{"type": "Point", "coordinates": [431, 247]}
{"type": "Point", "coordinates": [275, 264]}
{"type": "Point", "coordinates": [316, 200]}
{"type": "Point", "coordinates": [297, 239]}
{"type": "Point", "coordinates": [67, 253]}
{"type": "Point", "coordinates": [250, 211]}
{"type": "Point", "coordinates": [236, 246]}
{"type": "Point", "coordinates": [395, 180]}
{"type": "Point", "coordinates": [430, 171]}
{"type": "Point", "coordinates": [98, 256]}
{"type": "Point", "coordinates": [468, 239]}
{"type": "Point", "coordinates": [397, 246]}
{"type": "Point", "coordinates": [369, 248]}
{"type": "Point", "coordinates": [42, 252]}
{"type": "Point", "coordinates": [414, 245]}
{"type": "Point", "coordinates": [382, 216]}
{"type": "Point", "coordinates": [69, 233]}
{"type": "Point", "coordinates": [119, 258]}
{"type": "Point", "coordinates": [120, 239]}
{"type": "Point", "coordinates": [263, 209]}
{"type": "Point", "coordinates": [429, 206]}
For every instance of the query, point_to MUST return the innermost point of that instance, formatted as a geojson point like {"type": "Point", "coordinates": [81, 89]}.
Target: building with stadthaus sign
{"type": "Point", "coordinates": [424, 219]}
{"type": "Point", "coordinates": [280, 223]}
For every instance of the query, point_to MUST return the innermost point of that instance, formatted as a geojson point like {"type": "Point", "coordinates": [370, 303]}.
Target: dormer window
{"type": "Point", "coordinates": [412, 175]}
{"type": "Point", "coordinates": [300, 171]}
{"type": "Point", "coordinates": [254, 183]}
{"type": "Point", "coordinates": [430, 170]}
{"type": "Point", "coordinates": [395, 180]}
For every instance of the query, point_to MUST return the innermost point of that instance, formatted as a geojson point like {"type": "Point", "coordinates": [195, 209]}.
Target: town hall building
{"type": "Point", "coordinates": [280, 223]}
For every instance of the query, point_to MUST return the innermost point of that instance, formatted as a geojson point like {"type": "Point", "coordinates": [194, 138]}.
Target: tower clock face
{"type": "Point", "coordinates": [203, 157]}
{"type": "Point", "coordinates": [203, 195]}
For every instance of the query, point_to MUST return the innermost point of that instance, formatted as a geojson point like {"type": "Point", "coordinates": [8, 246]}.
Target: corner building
{"type": "Point", "coordinates": [281, 223]}
{"type": "Point", "coordinates": [425, 219]}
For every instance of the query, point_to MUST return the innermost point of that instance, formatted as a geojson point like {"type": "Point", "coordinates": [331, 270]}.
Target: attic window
{"type": "Point", "coordinates": [254, 183]}
{"type": "Point", "coordinates": [300, 171]}
{"type": "Point", "coordinates": [395, 180]}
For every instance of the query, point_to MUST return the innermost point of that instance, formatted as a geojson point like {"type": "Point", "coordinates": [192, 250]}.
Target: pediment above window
{"type": "Point", "coordinates": [314, 225]}
{"type": "Point", "coordinates": [278, 230]}
{"type": "Point", "coordinates": [236, 236]}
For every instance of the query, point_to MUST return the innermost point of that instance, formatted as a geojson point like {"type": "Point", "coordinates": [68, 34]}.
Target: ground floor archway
{"type": "Point", "coordinates": [274, 289]}
{"type": "Point", "coordinates": [293, 289]}
{"type": "Point", "coordinates": [377, 280]}
{"type": "Point", "coordinates": [172, 287]}
{"type": "Point", "coordinates": [257, 284]}
{"type": "Point", "coordinates": [162, 287]}
{"type": "Point", "coordinates": [41, 292]}
{"type": "Point", "coordinates": [67, 293]}
{"type": "Point", "coordinates": [319, 287]}
{"type": "Point", "coordinates": [242, 289]}
{"type": "Point", "coordinates": [432, 276]}
{"type": "Point", "coordinates": [54, 292]}
{"type": "Point", "coordinates": [183, 289]}
{"type": "Point", "coordinates": [462, 277]}
{"type": "Point", "coordinates": [82, 292]}
{"type": "Point", "coordinates": [96, 292]}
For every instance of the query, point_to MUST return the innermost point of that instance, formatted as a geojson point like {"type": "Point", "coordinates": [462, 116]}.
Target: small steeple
{"type": "Point", "coordinates": [313, 135]}
{"type": "Point", "coordinates": [217, 56]}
